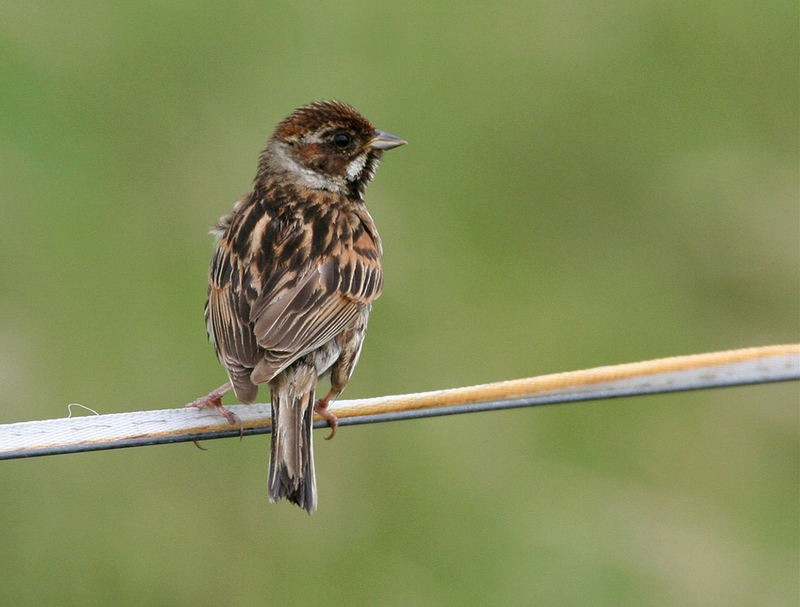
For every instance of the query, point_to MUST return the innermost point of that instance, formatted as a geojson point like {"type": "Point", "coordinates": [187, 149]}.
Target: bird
{"type": "Point", "coordinates": [295, 270]}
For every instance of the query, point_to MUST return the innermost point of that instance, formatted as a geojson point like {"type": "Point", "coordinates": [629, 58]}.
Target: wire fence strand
{"type": "Point", "coordinates": [679, 373]}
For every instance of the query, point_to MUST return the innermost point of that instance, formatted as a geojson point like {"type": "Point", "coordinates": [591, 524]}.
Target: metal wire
{"type": "Point", "coordinates": [676, 374]}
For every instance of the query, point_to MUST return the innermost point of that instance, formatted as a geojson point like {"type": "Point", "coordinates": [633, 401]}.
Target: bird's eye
{"type": "Point", "coordinates": [342, 140]}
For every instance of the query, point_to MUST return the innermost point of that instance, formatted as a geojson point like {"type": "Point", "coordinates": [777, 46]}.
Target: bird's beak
{"type": "Point", "coordinates": [385, 141]}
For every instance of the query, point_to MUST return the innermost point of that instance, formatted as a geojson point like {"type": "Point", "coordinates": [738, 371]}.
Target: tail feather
{"type": "Point", "coordinates": [291, 465]}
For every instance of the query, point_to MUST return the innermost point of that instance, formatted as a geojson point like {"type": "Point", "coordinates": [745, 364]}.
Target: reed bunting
{"type": "Point", "coordinates": [296, 268]}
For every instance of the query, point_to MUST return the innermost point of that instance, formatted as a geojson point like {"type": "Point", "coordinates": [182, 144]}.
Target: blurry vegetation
{"type": "Point", "coordinates": [584, 185]}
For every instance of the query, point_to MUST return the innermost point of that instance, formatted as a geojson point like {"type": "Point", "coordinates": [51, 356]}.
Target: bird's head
{"type": "Point", "coordinates": [325, 145]}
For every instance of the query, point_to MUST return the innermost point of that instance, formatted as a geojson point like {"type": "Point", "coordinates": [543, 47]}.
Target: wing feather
{"type": "Point", "coordinates": [295, 301]}
{"type": "Point", "coordinates": [319, 306]}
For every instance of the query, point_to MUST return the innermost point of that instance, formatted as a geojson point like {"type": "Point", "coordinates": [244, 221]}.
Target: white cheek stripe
{"type": "Point", "coordinates": [356, 167]}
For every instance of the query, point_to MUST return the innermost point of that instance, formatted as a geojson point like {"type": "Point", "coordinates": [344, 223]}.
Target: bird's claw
{"type": "Point", "coordinates": [321, 409]}
{"type": "Point", "coordinates": [214, 401]}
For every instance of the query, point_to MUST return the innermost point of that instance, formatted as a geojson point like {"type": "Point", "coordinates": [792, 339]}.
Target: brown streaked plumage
{"type": "Point", "coordinates": [292, 281]}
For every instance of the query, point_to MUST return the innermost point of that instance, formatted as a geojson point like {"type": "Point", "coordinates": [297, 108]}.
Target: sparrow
{"type": "Point", "coordinates": [296, 268]}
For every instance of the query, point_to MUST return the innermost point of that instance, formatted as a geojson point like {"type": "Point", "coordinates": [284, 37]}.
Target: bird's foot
{"type": "Point", "coordinates": [321, 409]}
{"type": "Point", "coordinates": [213, 400]}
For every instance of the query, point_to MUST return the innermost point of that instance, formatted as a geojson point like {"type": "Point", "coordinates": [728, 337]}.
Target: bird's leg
{"type": "Point", "coordinates": [214, 400]}
{"type": "Point", "coordinates": [321, 409]}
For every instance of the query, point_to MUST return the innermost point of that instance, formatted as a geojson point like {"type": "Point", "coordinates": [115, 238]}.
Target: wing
{"type": "Point", "coordinates": [297, 316]}
{"type": "Point", "coordinates": [227, 325]}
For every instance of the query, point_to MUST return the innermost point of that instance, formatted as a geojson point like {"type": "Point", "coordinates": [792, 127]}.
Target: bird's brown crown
{"type": "Point", "coordinates": [313, 117]}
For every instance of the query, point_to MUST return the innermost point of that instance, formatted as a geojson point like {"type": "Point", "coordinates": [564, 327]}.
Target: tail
{"type": "Point", "coordinates": [291, 464]}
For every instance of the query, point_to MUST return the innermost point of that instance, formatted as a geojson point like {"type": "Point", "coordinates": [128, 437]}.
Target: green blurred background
{"type": "Point", "coordinates": [583, 186]}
